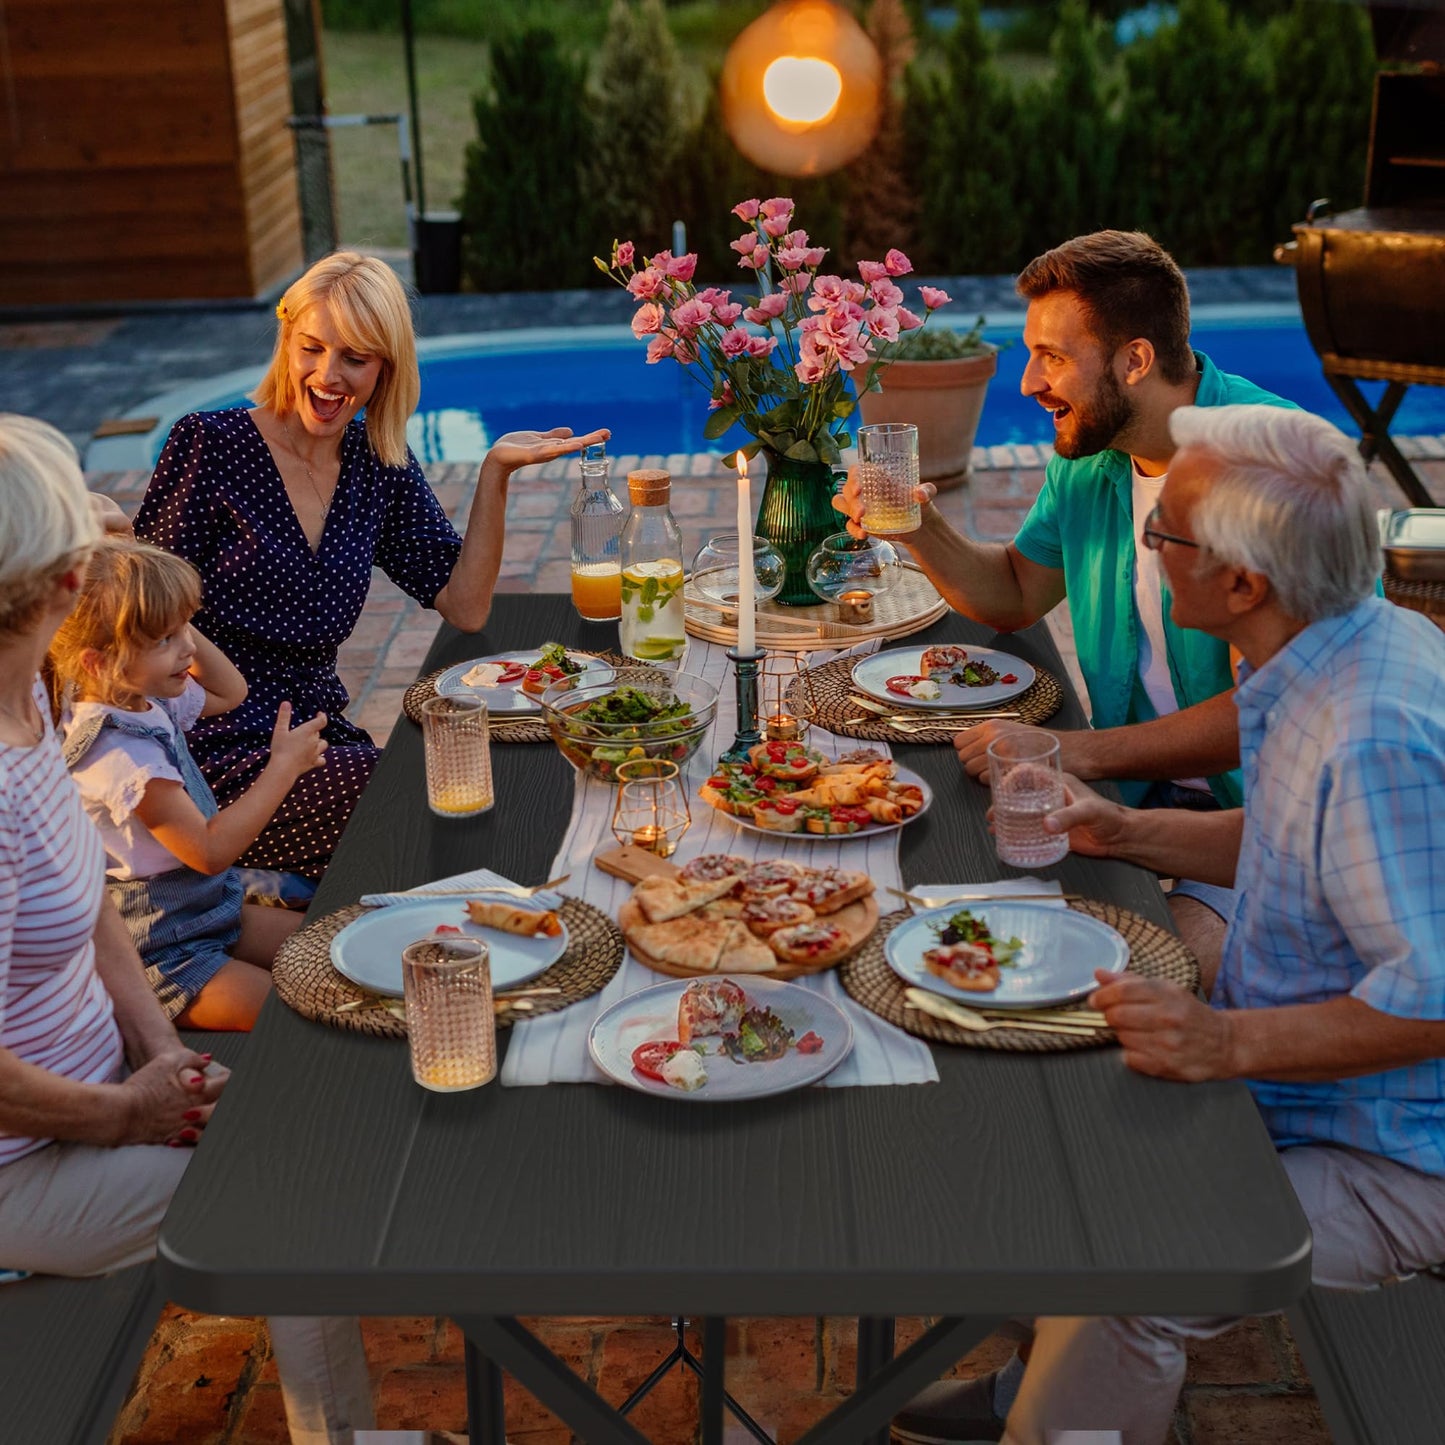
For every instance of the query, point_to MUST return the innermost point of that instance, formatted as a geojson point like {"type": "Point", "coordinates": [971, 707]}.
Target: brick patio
{"type": "Point", "coordinates": [210, 1381]}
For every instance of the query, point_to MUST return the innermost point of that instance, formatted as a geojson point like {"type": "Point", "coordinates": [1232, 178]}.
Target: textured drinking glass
{"type": "Point", "coordinates": [449, 1019]}
{"type": "Point", "coordinates": [1028, 784]}
{"type": "Point", "coordinates": [887, 475]}
{"type": "Point", "coordinates": [458, 756]}
{"type": "Point", "coordinates": [651, 811]}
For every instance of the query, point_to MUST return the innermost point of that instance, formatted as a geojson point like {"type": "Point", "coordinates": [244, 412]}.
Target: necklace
{"type": "Point", "coordinates": [310, 475]}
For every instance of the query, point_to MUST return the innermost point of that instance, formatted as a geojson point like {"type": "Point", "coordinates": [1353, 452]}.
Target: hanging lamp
{"type": "Point", "coordinates": [801, 88]}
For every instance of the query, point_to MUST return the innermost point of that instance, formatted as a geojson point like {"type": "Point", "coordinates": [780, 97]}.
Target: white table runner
{"type": "Point", "coordinates": [553, 1049]}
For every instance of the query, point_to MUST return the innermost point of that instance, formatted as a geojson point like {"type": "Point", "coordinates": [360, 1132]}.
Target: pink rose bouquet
{"type": "Point", "coordinates": [777, 362]}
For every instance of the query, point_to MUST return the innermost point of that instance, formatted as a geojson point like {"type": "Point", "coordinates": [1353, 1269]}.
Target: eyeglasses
{"type": "Point", "coordinates": [1154, 539]}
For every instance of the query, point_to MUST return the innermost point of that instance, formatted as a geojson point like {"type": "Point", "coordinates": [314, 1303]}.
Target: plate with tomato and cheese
{"type": "Point", "coordinates": [946, 675]}
{"type": "Point", "coordinates": [511, 682]}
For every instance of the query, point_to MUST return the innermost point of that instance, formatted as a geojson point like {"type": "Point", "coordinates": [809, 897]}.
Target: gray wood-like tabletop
{"type": "Point", "coordinates": [329, 1183]}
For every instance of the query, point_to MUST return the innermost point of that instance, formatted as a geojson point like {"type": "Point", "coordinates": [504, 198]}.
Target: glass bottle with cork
{"type": "Point", "coordinates": [652, 576]}
{"type": "Point", "coordinates": [596, 530]}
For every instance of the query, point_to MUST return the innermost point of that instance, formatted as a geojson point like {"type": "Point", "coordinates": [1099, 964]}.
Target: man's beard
{"type": "Point", "coordinates": [1096, 429]}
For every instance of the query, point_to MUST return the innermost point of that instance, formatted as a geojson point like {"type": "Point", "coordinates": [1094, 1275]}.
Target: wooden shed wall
{"type": "Point", "coordinates": [144, 152]}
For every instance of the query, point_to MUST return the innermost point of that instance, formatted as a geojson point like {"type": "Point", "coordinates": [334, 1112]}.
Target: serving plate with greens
{"type": "Point", "coordinates": [1046, 955]}
{"type": "Point", "coordinates": [498, 679]}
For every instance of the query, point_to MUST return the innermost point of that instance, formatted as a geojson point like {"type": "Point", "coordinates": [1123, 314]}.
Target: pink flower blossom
{"type": "Point", "coordinates": [907, 321]}
{"type": "Point", "coordinates": [690, 315]}
{"type": "Point", "coordinates": [792, 258]}
{"type": "Point", "coordinates": [815, 256]}
{"type": "Point", "coordinates": [769, 307]}
{"type": "Point", "coordinates": [724, 398]}
{"type": "Point", "coordinates": [827, 291]}
{"type": "Point", "coordinates": [852, 291]}
{"type": "Point", "coordinates": [744, 244]}
{"type": "Point", "coordinates": [647, 284]}
{"type": "Point", "coordinates": [662, 260]}
{"type": "Point", "coordinates": [726, 312]}
{"type": "Point", "coordinates": [933, 298]}
{"type": "Point", "coordinates": [684, 351]}
{"type": "Point", "coordinates": [648, 320]}
{"type": "Point", "coordinates": [682, 267]}
{"type": "Point", "coordinates": [775, 226]}
{"type": "Point", "coordinates": [625, 253]}
{"type": "Point", "coordinates": [746, 210]}
{"type": "Point", "coordinates": [797, 283]}
{"type": "Point", "coordinates": [886, 294]}
{"type": "Point", "coordinates": [659, 349]}
{"type": "Point", "coordinates": [897, 263]}
{"type": "Point", "coordinates": [872, 271]}
{"type": "Point", "coordinates": [811, 369]}
{"type": "Point", "coordinates": [882, 322]}
{"type": "Point", "coordinates": [734, 343]}
{"type": "Point", "coordinates": [796, 238]}
{"type": "Point", "coordinates": [712, 296]}
{"type": "Point", "coordinates": [838, 335]}
{"type": "Point", "coordinates": [757, 260]}
{"type": "Point", "coordinates": [777, 206]}
{"type": "Point", "coordinates": [759, 346]}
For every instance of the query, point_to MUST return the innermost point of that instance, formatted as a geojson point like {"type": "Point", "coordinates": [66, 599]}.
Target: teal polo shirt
{"type": "Point", "coordinates": [1083, 523]}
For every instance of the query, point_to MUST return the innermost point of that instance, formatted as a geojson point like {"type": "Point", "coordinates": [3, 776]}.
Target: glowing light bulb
{"type": "Point", "coordinates": [802, 88]}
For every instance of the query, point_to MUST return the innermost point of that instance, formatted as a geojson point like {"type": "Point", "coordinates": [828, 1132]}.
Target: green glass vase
{"type": "Point", "coordinates": [795, 515]}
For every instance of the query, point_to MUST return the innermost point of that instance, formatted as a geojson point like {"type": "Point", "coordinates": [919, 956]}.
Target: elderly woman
{"type": "Point", "coordinates": [285, 509]}
{"type": "Point", "coordinates": [93, 1078]}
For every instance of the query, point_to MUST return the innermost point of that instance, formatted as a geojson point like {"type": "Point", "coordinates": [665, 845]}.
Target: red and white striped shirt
{"type": "Point", "coordinates": [55, 1012]}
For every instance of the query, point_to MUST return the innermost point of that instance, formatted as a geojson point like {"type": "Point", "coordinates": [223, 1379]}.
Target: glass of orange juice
{"type": "Point", "coordinates": [449, 1017]}
{"type": "Point", "coordinates": [597, 590]}
{"type": "Point", "coordinates": [457, 746]}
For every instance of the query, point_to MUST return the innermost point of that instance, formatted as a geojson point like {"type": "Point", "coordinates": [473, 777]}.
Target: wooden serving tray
{"type": "Point", "coordinates": [634, 864]}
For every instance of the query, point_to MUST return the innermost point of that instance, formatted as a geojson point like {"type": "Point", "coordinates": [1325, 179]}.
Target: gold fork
{"type": "Point", "coordinates": [941, 1008]}
{"type": "Point", "coordinates": [508, 890]}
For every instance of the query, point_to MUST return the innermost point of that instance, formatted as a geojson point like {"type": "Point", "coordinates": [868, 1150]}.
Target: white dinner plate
{"type": "Point", "coordinates": [652, 1014]}
{"type": "Point", "coordinates": [1061, 950]}
{"type": "Point", "coordinates": [902, 775]}
{"type": "Point", "coordinates": [509, 697]}
{"type": "Point", "coordinates": [871, 674]}
{"type": "Point", "coordinates": [368, 950]}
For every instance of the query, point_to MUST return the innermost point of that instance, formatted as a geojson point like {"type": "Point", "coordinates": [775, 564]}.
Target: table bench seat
{"type": "Point", "coordinates": [1377, 1360]}
{"type": "Point", "coordinates": [72, 1346]}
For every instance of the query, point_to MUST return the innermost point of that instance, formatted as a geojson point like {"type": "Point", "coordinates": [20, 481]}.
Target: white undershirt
{"type": "Point", "coordinates": [1149, 604]}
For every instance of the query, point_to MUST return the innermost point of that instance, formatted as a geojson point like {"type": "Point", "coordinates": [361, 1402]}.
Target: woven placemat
{"type": "Point", "coordinates": [529, 728]}
{"type": "Point", "coordinates": [1416, 595]}
{"type": "Point", "coordinates": [1154, 952]}
{"type": "Point", "coordinates": [307, 981]}
{"type": "Point", "coordinates": [827, 690]}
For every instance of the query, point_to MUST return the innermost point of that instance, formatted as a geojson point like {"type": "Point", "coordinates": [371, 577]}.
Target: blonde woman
{"type": "Point", "coordinates": [93, 1077]}
{"type": "Point", "coordinates": [285, 508]}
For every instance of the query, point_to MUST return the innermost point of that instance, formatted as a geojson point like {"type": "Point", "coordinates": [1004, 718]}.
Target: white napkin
{"type": "Point", "coordinates": [479, 880]}
{"type": "Point", "coordinates": [1046, 891]}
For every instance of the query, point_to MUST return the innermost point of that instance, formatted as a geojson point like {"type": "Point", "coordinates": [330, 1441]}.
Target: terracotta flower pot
{"type": "Point", "coordinates": [944, 400]}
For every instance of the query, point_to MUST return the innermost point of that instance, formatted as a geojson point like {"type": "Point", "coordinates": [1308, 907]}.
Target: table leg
{"type": "Point", "coordinates": [486, 1403]}
{"type": "Point", "coordinates": [875, 1350]}
{"type": "Point", "coordinates": [714, 1359]}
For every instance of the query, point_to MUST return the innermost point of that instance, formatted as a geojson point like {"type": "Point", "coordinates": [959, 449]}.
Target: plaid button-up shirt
{"type": "Point", "coordinates": [1342, 864]}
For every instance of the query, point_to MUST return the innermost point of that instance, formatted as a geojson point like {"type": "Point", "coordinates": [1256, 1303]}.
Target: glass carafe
{"type": "Point", "coordinates": [596, 529]}
{"type": "Point", "coordinates": [652, 577]}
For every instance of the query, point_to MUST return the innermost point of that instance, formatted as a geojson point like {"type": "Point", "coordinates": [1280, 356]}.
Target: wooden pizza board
{"type": "Point", "coordinates": [857, 919]}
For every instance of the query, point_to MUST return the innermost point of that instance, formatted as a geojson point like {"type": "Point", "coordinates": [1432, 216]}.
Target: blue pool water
{"type": "Point", "coordinates": [472, 393]}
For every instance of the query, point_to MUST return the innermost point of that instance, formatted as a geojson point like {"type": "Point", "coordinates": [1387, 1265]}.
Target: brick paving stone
{"type": "Point", "coordinates": [629, 1354]}
{"type": "Point", "coordinates": [781, 1355]}
{"type": "Point", "coordinates": [399, 1342]}
{"type": "Point", "coordinates": [262, 1422]}
{"type": "Point", "coordinates": [422, 1397]}
{"type": "Point", "coordinates": [407, 649]}
{"type": "Point", "coordinates": [1247, 1419]}
{"type": "Point", "coordinates": [1244, 1356]}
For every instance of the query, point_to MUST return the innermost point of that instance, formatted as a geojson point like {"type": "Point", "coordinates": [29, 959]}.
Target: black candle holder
{"type": "Point", "coordinates": [745, 665]}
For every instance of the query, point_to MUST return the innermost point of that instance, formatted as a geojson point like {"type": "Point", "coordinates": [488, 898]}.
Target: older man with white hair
{"type": "Point", "coordinates": [1330, 997]}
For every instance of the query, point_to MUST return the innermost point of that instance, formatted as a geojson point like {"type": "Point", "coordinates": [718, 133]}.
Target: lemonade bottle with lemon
{"type": "Point", "coordinates": [652, 577]}
{"type": "Point", "coordinates": [596, 529]}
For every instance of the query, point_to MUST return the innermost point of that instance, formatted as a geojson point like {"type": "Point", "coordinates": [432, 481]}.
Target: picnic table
{"type": "Point", "coordinates": [328, 1182]}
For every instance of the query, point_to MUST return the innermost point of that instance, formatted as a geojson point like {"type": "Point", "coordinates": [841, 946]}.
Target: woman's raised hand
{"type": "Point", "coordinates": [531, 448]}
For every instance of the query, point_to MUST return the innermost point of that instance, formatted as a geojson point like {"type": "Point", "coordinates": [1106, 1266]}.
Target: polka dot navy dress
{"type": "Point", "coordinates": [279, 611]}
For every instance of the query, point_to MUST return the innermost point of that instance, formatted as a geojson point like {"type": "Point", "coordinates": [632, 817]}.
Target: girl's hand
{"type": "Point", "coordinates": [301, 748]}
{"type": "Point", "coordinates": [531, 448]}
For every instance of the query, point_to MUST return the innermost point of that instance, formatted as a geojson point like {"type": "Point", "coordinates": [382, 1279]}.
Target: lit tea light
{"type": "Point", "coordinates": [782, 727]}
{"type": "Point", "coordinates": [855, 607]}
{"type": "Point", "coordinates": [651, 837]}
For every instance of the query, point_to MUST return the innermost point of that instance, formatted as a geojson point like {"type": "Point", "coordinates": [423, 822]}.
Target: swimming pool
{"type": "Point", "coordinates": [476, 387]}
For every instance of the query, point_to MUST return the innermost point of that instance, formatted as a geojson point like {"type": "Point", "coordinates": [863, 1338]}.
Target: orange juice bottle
{"type": "Point", "coordinates": [596, 527]}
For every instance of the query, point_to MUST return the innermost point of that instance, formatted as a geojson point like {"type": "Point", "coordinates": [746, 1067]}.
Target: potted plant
{"type": "Point", "coordinates": [936, 379]}
{"type": "Point", "coordinates": [784, 375]}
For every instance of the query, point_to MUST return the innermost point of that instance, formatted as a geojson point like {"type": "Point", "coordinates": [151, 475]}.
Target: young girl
{"type": "Point", "coordinates": [136, 676]}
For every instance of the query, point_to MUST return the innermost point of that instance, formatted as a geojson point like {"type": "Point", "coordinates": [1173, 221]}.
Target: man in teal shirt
{"type": "Point", "coordinates": [1107, 333]}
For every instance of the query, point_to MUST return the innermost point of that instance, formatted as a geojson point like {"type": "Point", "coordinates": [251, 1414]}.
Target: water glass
{"type": "Point", "coordinates": [1028, 784]}
{"type": "Point", "coordinates": [887, 477]}
{"type": "Point", "coordinates": [450, 1022]}
{"type": "Point", "coordinates": [651, 811]}
{"type": "Point", "coordinates": [458, 756]}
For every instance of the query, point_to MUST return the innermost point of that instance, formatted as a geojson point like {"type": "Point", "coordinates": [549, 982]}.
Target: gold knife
{"type": "Point", "coordinates": [924, 902]}
{"type": "Point", "coordinates": [950, 1012]}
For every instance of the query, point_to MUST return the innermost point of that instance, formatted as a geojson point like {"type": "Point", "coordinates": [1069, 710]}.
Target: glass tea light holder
{"type": "Point", "coordinates": [785, 718]}
{"type": "Point", "coordinates": [651, 811]}
{"type": "Point", "coordinates": [451, 1026]}
{"type": "Point", "coordinates": [457, 746]}
{"type": "Point", "coordinates": [715, 578]}
{"type": "Point", "coordinates": [852, 572]}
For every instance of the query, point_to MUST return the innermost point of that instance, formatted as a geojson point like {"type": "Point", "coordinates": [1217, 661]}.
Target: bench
{"type": "Point", "coordinates": [1377, 1360]}
{"type": "Point", "coordinates": [72, 1346]}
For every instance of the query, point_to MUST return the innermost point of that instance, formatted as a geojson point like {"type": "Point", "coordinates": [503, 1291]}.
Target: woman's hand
{"type": "Point", "coordinates": [532, 448]}
{"type": "Point", "coordinates": [106, 511]}
{"type": "Point", "coordinates": [170, 1098]}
